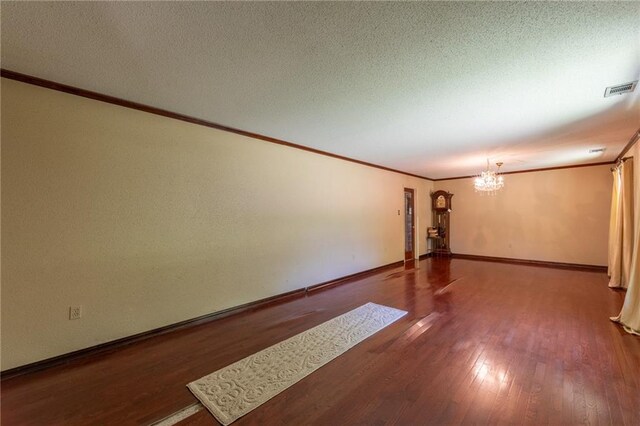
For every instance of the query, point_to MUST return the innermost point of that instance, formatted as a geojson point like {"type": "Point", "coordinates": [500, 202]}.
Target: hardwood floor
{"type": "Point", "coordinates": [483, 343]}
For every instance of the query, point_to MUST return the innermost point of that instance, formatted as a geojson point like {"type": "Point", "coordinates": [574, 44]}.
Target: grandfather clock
{"type": "Point", "coordinates": [439, 232]}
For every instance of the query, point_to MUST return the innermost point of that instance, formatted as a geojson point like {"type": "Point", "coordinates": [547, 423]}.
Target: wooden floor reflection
{"type": "Point", "coordinates": [483, 343]}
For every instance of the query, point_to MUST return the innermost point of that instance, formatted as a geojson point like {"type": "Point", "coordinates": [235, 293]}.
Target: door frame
{"type": "Point", "coordinates": [412, 254]}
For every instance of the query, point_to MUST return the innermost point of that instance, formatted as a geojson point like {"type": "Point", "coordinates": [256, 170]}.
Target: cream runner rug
{"type": "Point", "coordinates": [233, 391]}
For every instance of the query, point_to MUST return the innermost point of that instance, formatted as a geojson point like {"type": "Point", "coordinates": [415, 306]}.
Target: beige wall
{"type": "Point", "coordinates": [146, 221]}
{"type": "Point", "coordinates": [557, 215]}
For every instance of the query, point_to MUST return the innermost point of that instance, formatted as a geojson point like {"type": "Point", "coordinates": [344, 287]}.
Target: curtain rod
{"type": "Point", "coordinates": [620, 161]}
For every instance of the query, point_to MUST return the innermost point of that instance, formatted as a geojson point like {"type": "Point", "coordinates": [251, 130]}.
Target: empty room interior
{"type": "Point", "coordinates": [328, 213]}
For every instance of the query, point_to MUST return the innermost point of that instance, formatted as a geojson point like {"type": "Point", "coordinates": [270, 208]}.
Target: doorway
{"type": "Point", "coordinates": [409, 224]}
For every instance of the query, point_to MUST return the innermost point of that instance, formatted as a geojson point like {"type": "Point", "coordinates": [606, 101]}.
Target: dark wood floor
{"type": "Point", "coordinates": [482, 343]}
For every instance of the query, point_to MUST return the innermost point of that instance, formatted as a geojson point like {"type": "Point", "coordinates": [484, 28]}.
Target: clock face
{"type": "Point", "coordinates": [441, 201]}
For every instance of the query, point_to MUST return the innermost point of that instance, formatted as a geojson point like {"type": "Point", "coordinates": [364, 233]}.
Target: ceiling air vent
{"type": "Point", "coordinates": [596, 150]}
{"type": "Point", "coordinates": [620, 89]}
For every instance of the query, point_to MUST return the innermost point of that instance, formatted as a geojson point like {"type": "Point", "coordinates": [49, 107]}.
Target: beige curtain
{"type": "Point", "coordinates": [630, 314]}
{"type": "Point", "coordinates": [621, 226]}
{"type": "Point", "coordinates": [615, 224]}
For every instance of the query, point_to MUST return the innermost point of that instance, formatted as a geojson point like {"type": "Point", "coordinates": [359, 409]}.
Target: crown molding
{"type": "Point", "coordinates": [629, 144]}
{"type": "Point", "coordinates": [545, 169]}
{"type": "Point", "coordinates": [37, 81]}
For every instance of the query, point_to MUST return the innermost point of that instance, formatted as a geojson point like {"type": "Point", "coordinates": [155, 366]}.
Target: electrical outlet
{"type": "Point", "coordinates": [75, 312]}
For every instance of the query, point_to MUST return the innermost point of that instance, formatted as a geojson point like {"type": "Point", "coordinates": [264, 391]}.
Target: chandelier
{"type": "Point", "coordinates": [489, 181]}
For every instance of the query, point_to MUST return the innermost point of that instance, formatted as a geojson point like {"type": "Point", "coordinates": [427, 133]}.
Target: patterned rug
{"type": "Point", "coordinates": [233, 391]}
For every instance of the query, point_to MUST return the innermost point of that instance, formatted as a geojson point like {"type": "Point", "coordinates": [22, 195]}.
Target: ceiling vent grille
{"type": "Point", "coordinates": [620, 89]}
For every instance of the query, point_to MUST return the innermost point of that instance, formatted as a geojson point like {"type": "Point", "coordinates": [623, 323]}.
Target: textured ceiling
{"type": "Point", "coordinates": [428, 88]}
